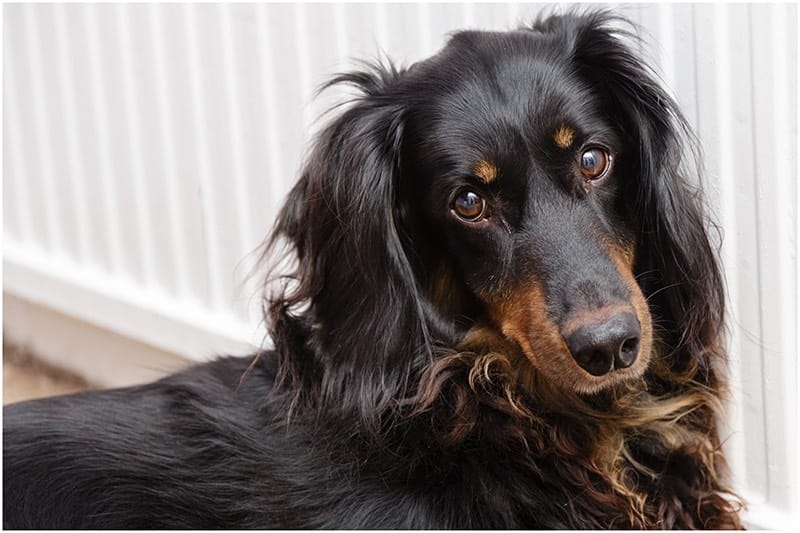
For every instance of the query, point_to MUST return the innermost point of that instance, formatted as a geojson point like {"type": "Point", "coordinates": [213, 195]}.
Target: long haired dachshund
{"type": "Point", "coordinates": [502, 311]}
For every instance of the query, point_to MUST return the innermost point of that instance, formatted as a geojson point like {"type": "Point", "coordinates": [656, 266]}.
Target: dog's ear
{"type": "Point", "coordinates": [676, 264]}
{"type": "Point", "coordinates": [346, 329]}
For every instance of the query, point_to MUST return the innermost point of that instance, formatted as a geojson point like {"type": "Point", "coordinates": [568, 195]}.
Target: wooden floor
{"type": "Point", "coordinates": [25, 378]}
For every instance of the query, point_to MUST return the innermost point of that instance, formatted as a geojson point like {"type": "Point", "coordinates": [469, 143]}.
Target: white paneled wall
{"type": "Point", "coordinates": [147, 149]}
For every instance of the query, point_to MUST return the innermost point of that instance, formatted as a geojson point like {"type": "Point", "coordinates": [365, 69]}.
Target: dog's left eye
{"type": "Point", "coordinates": [595, 163]}
{"type": "Point", "coordinates": [469, 206]}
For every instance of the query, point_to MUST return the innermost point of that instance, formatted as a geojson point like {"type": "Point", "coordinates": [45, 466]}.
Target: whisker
{"type": "Point", "coordinates": [665, 287]}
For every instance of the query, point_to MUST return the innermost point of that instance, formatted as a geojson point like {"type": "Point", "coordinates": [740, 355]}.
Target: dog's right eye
{"type": "Point", "coordinates": [469, 206]}
{"type": "Point", "coordinates": [595, 162]}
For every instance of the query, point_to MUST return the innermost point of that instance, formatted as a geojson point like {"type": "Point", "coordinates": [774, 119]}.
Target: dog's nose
{"type": "Point", "coordinates": [600, 347]}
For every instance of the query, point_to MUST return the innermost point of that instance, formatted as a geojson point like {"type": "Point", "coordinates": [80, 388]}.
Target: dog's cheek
{"type": "Point", "coordinates": [521, 317]}
{"type": "Point", "coordinates": [483, 256]}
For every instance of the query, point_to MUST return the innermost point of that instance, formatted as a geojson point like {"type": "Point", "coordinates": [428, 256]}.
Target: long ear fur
{"type": "Point", "coordinates": [676, 264]}
{"type": "Point", "coordinates": [348, 330]}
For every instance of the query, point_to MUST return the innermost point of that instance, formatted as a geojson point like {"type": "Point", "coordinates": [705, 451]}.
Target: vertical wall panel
{"type": "Point", "coordinates": [165, 155]}
{"type": "Point", "coordinates": [271, 151]}
{"type": "Point", "coordinates": [774, 193]}
{"type": "Point", "coordinates": [148, 148]}
{"type": "Point", "coordinates": [72, 173]}
{"type": "Point", "coordinates": [100, 164]}
{"type": "Point", "coordinates": [16, 205]}
{"type": "Point", "coordinates": [35, 21]}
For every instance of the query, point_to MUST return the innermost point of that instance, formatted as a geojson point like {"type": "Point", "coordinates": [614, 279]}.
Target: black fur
{"type": "Point", "coordinates": [419, 377]}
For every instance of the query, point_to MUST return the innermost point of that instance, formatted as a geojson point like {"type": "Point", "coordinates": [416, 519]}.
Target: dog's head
{"type": "Point", "coordinates": [517, 175]}
{"type": "Point", "coordinates": [523, 184]}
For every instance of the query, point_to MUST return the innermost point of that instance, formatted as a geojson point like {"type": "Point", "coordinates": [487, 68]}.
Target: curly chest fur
{"type": "Point", "coordinates": [490, 483]}
{"type": "Point", "coordinates": [488, 456]}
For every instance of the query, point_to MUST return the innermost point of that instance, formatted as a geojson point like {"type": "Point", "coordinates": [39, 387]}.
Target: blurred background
{"type": "Point", "coordinates": [147, 148]}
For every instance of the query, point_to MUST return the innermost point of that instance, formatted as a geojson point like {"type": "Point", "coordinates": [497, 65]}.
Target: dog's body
{"type": "Point", "coordinates": [506, 313]}
{"type": "Point", "coordinates": [196, 450]}
{"type": "Point", "coordinates": [199, 450]}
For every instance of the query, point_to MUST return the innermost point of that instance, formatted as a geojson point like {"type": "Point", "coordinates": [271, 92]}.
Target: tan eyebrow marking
{"type": "Point", "coordinates": [563, 137]}
{"type": "Point", "coordinates": [485, 170]}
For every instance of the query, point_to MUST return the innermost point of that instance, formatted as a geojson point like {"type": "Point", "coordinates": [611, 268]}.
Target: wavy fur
{"type": "Point", "coordinates": [420, 376]}
{"type": "Point", "coordinates": [646, 454]}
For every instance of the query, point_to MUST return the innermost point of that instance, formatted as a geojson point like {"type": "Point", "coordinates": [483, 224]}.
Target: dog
{"type": "Point", "coordinates": [503, 310]}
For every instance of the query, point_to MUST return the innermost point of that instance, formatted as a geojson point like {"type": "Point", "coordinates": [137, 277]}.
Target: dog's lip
{"type": "Point", "coordinates": [593, 384]}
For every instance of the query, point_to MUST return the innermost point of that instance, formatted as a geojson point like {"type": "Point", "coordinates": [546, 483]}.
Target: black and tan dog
{"type": "Point", "coordinates": [504, 312]}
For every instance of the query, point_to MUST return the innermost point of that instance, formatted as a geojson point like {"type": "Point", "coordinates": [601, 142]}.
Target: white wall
{"type": "Point", "coordinates": [148, 147]}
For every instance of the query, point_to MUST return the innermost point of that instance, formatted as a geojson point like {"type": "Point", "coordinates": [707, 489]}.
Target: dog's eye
{"type": "Point", "coordinates": [595, 162]}
{"type": "Point", "coordinates": [469, 206]}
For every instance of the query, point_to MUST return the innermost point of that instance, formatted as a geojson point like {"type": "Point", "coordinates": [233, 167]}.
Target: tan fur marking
{"type": "Point", "coordinates": [563, 137]}
{"type": "Point", "coordinates": [485, 171]}
{"type": "Point", "coordinates": [623, 258]}
{"type": "Point", "coordinates": [522, 318]}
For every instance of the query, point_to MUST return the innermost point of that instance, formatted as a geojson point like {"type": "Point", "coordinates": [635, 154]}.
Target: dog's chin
{"type": "Point", "coordinates": [591, 385]}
